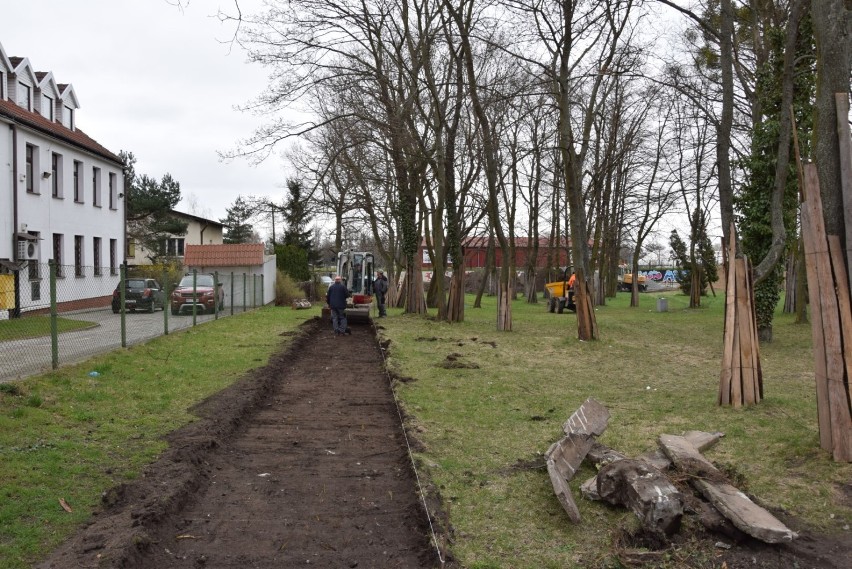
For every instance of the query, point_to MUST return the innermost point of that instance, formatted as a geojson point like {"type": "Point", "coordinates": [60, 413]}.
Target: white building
{"type": "Point", "coordinates": [60, 196]}
{"type": "Point", "coordinates": [199, 231]}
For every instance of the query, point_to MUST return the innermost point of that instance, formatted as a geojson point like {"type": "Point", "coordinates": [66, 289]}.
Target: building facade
{"type": "Point", "coordinates": [61, 196]}
{"type": "Point", "coordinates": [199, 231]}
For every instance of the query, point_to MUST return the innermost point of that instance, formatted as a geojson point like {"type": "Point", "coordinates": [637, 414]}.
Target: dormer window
{"type": "Point", "coordinates": [68, 118]}
{"type": "Point", "coordinates": [24, 96]}
{"type": "Point", "coordinates": [47, 107]}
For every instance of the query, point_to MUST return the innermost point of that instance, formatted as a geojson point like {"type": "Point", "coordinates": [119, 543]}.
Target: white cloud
{"type": "Point", "coordinates": [154, 79]}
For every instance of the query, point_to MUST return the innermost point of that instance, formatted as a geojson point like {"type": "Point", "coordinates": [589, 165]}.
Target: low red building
{"type": "Point", "coordinates": [475, 252]}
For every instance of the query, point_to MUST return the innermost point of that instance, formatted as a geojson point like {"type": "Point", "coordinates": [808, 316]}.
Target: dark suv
{"type": "Point", "coordinates": [207, 296]}
{"type": "Point", "coordinates": [139, 294]}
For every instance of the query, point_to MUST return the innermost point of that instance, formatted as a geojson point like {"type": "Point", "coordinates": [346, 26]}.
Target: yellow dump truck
{"type": "Point", "coordinates": [560, 294]}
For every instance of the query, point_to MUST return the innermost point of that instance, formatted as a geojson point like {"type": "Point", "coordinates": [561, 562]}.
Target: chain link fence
{"type": "Point", "coordinates": [58, 314]}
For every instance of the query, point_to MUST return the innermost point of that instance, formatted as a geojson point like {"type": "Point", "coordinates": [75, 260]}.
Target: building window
{"type": "Point", "coordinates": [68, 117]}
{"type": "Point", "coordinates": [96, 255]}
{"type": "Point", "coordinates": [47, 107]}
{"type": "Point", "coordinates": [57, 254]}
{"type": "Point", "coordinates": [35, 289]}
{"type": "Point", "coordinates": [113, 191]}
{"type": "Point", "coordinates": [113, 256]}
{"type": "Point", "coordinates": [78, 255]}
{"type": "Point", "coordinates": [131, 248]}
{"type": "Point", "coordinates": [78, 181]}
{"type": "Point", "coordinates": [173, 247]}
{"type": "Point", "coordinates": [24, 96]}
{"type": "Point", "coordinates": [31, 155]}
{"type": "Point", "coordinates": [56, 174]}
{"type": "Point", "coordinates": [2, 85]}
{"type": "Point", "coordinates": [96, 187]}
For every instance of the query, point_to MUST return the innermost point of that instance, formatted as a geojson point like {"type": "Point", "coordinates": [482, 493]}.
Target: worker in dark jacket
{"type": "Point", "coordinates": [381, 289]}
{"type": "Point", "coordinates": [336, 299]}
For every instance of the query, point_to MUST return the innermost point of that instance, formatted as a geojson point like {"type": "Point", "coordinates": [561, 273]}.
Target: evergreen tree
{"type": "Point", "coordinates": [239, 230]}
{"type": "Point", "coordinates": [297, 218]}
{"type": "Point", "coordinates": [150, 220]}
{"type": "Point", "coordinates": [296, 253]}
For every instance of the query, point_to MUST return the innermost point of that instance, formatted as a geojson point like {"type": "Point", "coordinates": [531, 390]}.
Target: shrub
{"type": "Point", "coordinates": [286, 290]}
{"type": "Point", "coordinates": [172, 269]}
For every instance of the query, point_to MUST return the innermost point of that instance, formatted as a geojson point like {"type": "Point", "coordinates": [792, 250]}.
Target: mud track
{"type": "Point", "coordinates": [301, 463]}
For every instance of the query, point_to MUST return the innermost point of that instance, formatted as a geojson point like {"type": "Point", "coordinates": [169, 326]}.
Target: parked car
{"type": "Point", "coordinates": [139, 294]}
{"type": "Point", "coordinates": [207, 296]}
{"type": "Point", "coordinates": [326, 281]}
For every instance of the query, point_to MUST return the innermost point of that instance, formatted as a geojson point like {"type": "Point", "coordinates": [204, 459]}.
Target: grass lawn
{"type": "Point", "coordinates": [68, 435]}
{"type": "Point", "coordinates": [486, 427]}
{"type": "Point", "coordinates": [483, 427]}
{"type": "Point", "coordinates": [37, 326]}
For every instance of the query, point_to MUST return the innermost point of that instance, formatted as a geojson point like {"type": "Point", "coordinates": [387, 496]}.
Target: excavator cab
{"type": "Point", "coordinates": [356, 270]}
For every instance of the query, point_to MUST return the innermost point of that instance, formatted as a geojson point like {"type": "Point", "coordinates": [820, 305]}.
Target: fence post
{"type": "Point", "coordinates": [167, 301]}
{"type": "Point", "coordinates": [215, 295]}
{"type": "Point", "coordinates": [245, 305]}
{"type": "Point", "coordinates": [194, 295]}
{"type": "Point", "coordinates": [54, 330]}
{"type": "Point", "coordinates": [122, 292]}
{"type": "Point", "coordinates": [254, 291]}
{"type": "Point", "coordinates": [232, 293]}
{"type": "Point", "coordinates": [261, 290]}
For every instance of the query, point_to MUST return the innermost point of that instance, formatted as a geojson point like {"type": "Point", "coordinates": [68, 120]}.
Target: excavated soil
{"type": "Point", "coordinates": [302, 463]}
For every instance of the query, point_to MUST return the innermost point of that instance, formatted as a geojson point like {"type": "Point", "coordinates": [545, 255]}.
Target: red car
{"type": "Point", "coordinates": [200, 292]}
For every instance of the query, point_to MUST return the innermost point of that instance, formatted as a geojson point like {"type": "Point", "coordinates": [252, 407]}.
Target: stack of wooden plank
{"type": "Point", "coordinates": [741, 381]}
{"type": "Point", "coordinates": [831, 322]}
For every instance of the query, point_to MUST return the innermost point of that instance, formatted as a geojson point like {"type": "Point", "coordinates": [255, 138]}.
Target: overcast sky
{"type": "Point", "coordinates": [156, 80]}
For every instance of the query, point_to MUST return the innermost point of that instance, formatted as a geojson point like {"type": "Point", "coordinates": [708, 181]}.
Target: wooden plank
{"type": "Point", "coordinates": [591, 418]}
{"type": "Point", "coordinates": [810, 239]}
{"type": "Point", "coordinates": [731, 503]}
{"type": "Point", "coordinates": [834, 368]}
{"type": "Point", "coordinates": [646, 491]}
{"type": "Point", "coordinates": [758, 369]}
{"type": "Point", "coordinates": [744, 326]}
{"type": "Point", "coordinates": [736, 367]}
{"type": "Point", "coordinates": [838, 389]}
{"type": "Point", "coordinates": [843, 137]}
{"type": "Point", "coordinates": [730, 320]}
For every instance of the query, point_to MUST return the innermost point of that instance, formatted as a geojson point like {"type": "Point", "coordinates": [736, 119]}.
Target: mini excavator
{"type": "Point", "coordinates": [356, 270]}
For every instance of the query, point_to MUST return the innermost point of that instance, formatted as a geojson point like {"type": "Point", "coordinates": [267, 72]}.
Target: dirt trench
{"type": "Point", "coordinates": [301, 463]}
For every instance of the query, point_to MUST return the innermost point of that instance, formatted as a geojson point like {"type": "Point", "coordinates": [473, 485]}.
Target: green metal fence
{"type": "Point", "coordinates": [53, 314]}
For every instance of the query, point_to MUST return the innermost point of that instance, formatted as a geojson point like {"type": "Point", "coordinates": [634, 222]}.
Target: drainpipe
{"type": "Point", "coordinates": [16, 312]}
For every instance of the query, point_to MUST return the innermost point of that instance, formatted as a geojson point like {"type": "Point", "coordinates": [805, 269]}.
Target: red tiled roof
{"type": "Point", "coordinates": [36, 121]}
{"type": "Point", "coordinates": [238, 255]}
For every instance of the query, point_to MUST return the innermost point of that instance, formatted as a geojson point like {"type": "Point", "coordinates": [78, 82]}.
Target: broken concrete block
{"type": "Point", "coordinates": [645, 490]}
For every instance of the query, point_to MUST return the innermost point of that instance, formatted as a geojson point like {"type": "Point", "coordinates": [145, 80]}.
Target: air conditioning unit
{"type": "Point", "coordinates": [27, 250]}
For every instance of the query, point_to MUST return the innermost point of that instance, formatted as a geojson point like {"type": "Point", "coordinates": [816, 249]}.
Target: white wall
{"type": "Point", "coordinates": [47, 215]}
{"type": "Point", "coordinates": [6, 228]}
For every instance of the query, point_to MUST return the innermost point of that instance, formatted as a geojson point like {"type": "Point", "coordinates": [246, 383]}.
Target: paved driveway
{"type": "Point", "coordinates": [21, 358]}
